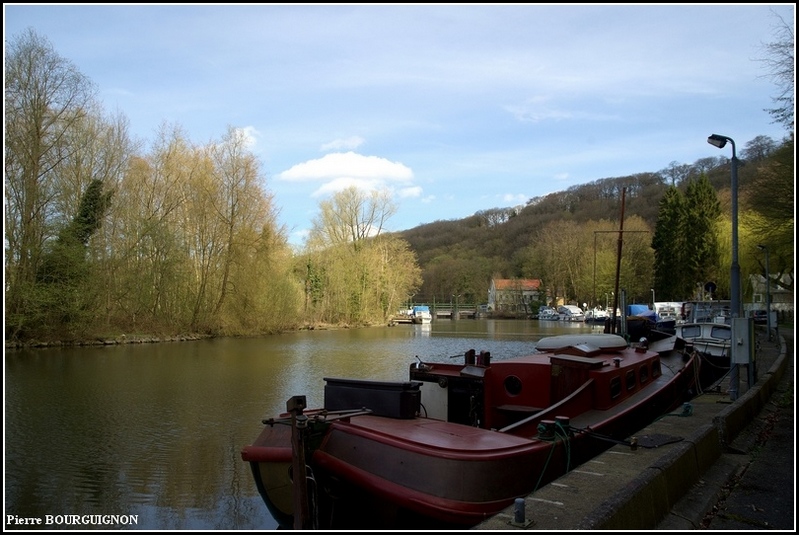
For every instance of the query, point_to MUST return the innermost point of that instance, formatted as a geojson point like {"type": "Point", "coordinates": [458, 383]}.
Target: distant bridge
{"type": "Point", "coordinates": [449, 311]}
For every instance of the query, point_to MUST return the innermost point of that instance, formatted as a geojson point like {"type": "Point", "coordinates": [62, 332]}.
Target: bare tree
{"type": "Point", "coordinates": [779, 61]}
{"type": "Point", "coordinates": [758, 149]}
{"type": "Point", "coordinates": [350, 217]}
{"type": "Point", "coordinates": [676, 173]}
{"type": "Point", "coordinates": [46, 96]}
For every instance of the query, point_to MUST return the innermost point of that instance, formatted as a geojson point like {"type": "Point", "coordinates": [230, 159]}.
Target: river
{"type": "Point", "coordinates": [148, 436]}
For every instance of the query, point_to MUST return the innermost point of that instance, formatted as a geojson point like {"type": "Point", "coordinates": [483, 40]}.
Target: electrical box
{"type": "Point", "coordinates": [743, 341]}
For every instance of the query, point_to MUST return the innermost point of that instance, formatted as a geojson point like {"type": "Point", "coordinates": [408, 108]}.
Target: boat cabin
{"type": "Point", "coordinates": [566, 382]}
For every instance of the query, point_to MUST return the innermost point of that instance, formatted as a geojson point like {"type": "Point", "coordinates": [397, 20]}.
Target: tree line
{"type": "Point", "coordinates": [676, 235]}
{"type": "Point", "coordinates": [104, 236]}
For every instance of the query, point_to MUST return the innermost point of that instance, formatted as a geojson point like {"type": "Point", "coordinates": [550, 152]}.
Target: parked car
{"type": "Point", "coordinates": [760, 317]}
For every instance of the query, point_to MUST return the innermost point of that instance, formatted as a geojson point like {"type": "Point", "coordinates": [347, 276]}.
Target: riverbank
{"type": "Point", "coordinates": [155, 339]}
{"type": "Point", "coordinates": [122, 339]}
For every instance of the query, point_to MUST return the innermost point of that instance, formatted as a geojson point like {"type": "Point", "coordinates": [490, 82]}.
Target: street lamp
{"type": "Point", "coordinates": [768, 292]}
{"type": "Point", "coordinates": [735, 272]}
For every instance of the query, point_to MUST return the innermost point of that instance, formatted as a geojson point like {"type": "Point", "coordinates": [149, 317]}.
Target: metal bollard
{"type": "Point", "coordinates": [518, 515]}
{"type": "Point", "coordinates": [518, 511]}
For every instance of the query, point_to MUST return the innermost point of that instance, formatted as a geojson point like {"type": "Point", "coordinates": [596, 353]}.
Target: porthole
{"type": "Point", "coordinates": [615, 387]}
{"type": "Point", "coordinates": [513, 385]}
{"type": "Point", "coordinates": [643, 374]}
{"type": "Point", "coordinates": [629, 379]}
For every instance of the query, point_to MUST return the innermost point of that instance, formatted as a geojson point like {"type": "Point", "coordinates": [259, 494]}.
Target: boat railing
{"type": "Point", "coordinates": [552, 410]}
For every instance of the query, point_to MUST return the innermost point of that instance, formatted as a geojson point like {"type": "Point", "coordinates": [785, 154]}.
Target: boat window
{"type": "Point", "coordinates": [513, 385]}
{"type": "Point", "coordinates": [656, 371]}
{"type": "Point", "coordinates": [691, 331]}
{"type": "Point", "coordinates": [630, 379]}
{"type": "Point", "coordinates": [643, 373]}
{"type": "Point", "coordinates": [615, 387]}
{"type": "Point", "coordinates": [722, 333]}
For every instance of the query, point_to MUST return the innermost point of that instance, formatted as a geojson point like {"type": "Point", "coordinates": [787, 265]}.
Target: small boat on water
{"type": "Point", "coordinates": [707, 328]}
{"type": "Point", "coordinates": [458, 442]}
{"type": "Point", "coordinates": [546, 313]}
{"type": "Point", "coordinates": [596, 315]}
{"type": "Point", "coordinates": [669, 310]}
{"type": "Point", "coordinates": [712, 339]}
{"type": "Point", "coordinates": [571, 313]}
{"type": "Point", "coordinates": [641, 321]}
{"type": "Point", "coordinates": [403, 316]}
{"type": "Point", "coordinates": [420, 314]}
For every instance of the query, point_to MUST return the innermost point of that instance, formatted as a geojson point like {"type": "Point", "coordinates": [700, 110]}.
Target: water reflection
{"type": "Point", "coordinates": [155, 430]}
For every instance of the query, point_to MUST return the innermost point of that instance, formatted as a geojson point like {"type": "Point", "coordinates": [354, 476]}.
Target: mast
{"type": "Point", "coordinates": [618, 264]}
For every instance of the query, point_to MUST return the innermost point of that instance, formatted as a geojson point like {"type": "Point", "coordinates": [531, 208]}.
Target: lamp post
{"type": "Point", "coordinates": [735, 272]}
{"type": "Point", "coordinates": [768, 292]}
{"type": "Point", "coordinates": [653, 298]}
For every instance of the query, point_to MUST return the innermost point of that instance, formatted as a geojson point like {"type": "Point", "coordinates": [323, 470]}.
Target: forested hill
{"type": "Point", "coordinates": [491, 241]}
{"type": "Point", "coordinates": [506, 230]}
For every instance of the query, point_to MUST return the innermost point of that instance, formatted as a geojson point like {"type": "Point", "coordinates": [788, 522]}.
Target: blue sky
{"type": "Point", "coordinates": [453, 108]}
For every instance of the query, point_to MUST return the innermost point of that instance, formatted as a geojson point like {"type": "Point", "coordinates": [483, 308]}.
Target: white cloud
{"type": "Point", "coordinates": [352, 142]}
{"type": "Point", "coordinates": [348, 165]}
{"type": "Point", "coordinates": [413, 191]}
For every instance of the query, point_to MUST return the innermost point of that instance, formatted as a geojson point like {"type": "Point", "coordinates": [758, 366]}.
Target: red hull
{"type": "Point", "coordinates": [377, 472]}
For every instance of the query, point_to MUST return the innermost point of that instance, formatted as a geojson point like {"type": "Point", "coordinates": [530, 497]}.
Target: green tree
{"type": "Point", "coordinates": [699, 234]}
{"type": "Point", "coordinates": [771, 195]}
{"type": "Point", "coordinates": [46, 97]}
{"type": "Point", "coordinates": [667, 242]}
{"type": "Point", "coordinates": [64, 275]}
{"type": "Point", "coordinates": [769, 211]}
{"type": "Point", "coordinates": [362, 274]}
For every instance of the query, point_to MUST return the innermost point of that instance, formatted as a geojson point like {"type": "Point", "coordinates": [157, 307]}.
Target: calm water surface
{"type": "Point", "coordinates": [155, 430]}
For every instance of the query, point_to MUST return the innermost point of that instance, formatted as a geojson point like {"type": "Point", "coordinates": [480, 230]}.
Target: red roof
{"type": "Point", "coordinates": [517, 284]}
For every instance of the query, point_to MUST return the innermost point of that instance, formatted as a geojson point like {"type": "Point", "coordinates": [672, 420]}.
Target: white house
{"type": "Point", "coordinates": [513, 295]}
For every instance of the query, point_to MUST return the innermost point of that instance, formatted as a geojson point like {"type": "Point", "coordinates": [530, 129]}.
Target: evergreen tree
{"type": "Point", "coordinates": [670, 281]}
{"type": "Point", "coordinates": [699, 233]}
{"type": "Point", "coordinates": [64, 277]}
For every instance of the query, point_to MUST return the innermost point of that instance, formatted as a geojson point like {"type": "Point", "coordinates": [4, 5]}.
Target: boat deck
{"type": "Point", "coordinates": [634, 489]}
{"type": "Point", "coordinates": [451, 439]}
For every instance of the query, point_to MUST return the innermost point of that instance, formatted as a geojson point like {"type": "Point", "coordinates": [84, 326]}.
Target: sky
{"type": "Point", "coordinates": [451, 108]}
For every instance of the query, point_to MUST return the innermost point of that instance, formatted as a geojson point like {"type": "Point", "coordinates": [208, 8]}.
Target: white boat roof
{"type": "Point", "coordinates": [599, 340]}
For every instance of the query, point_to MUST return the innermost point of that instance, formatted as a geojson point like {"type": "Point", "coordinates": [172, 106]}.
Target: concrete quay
{"type": "Point", "coordinates": [688, 468]}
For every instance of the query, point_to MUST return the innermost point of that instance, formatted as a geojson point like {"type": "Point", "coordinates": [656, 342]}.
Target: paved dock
{"type": "Point", "coordinates": [685, 464]}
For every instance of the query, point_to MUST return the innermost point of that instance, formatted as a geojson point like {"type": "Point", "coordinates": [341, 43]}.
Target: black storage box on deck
{"type": "Point", "coordinates": [383, 398]}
